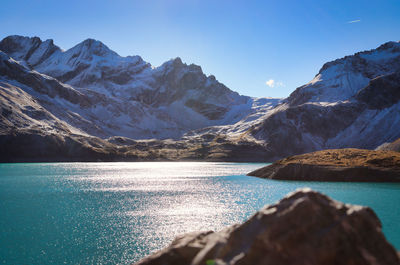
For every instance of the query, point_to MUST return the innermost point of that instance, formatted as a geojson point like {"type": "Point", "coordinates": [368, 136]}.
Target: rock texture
{"type": "Point", "coordinates": [72, 106]}
{"type": "Point", "coordinates": [393, 146]}
{"type": "Point", "coordinates": [352, 102]}
{"type": "Point", "coordinates": [336, 165]}
{"type": "Point", "coordinates": [305, 228]}
{"type": "Point", "coordinates": [125, 96]}
{"type": "Point", "coordinates": [93, 96]}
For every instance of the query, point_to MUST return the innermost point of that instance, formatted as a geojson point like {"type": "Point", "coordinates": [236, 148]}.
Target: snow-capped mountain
{"type": "Point", "coordinates": [128, 97]}
{"type": "Point", "coordinates": [89, 103]}
{"type": "Point", "coordinates": [343, 78]}
{"type": "Point", "coordinates": [351, 102]}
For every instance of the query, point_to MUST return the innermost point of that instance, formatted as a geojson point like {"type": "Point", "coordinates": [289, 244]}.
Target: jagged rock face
{"type": "Point", "coordinates": [30, 132]}
{"type": "Point", "coordinates": [46, 85]}
{"type": "Point", "coordinates": [176, 81]}
{"type": "Point", "coordinates": [305, 227]}
{"type": "Point", "coordinates": [31, 50]}
{"type": "Point", "coordinates": [125, 95]}
{"type": "Point", "coordinates": [304, 128]}
{"type": "Point", "coordinates": [381, 92]}
{"type": "Point", "coordinates": [352, 102]}
{"type": "Point", "coordinates": [108, 96]}
{"type": "Point", "coordinates": [92, 64]}
{"type": "Point", "coordinates": [343, 78]}
{"type": "Point", "coordinates": [82, 65]}
{"type": "Point", "coordinates": [19, 111]}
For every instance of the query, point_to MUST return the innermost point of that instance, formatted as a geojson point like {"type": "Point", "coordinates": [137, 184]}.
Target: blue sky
{"type": "Point", "coordinates": [257, 48]}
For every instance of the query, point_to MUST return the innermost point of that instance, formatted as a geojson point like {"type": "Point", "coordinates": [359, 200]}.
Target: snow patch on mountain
{"type": "Point", "coordinates": [129, 97]}
{"type": "Point", "coordinates": [91, 90]}
{"type": "Point", "coordinates": [341, 79]}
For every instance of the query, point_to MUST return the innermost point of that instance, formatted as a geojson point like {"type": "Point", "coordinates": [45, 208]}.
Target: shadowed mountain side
{"type": "Point", "coordinates": [352, 102]}
{"type": "Point", "coordinates": [128, 96]}
{"type": "Point", "coordinates": [34, 145]}
{"type": "Point", "coordinates": [366, 120]}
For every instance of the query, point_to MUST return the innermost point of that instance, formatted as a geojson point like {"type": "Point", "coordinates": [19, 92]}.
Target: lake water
{"type": "Point", "coordinates": [116, 213]}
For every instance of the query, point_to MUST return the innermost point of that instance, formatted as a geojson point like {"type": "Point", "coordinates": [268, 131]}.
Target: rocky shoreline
{"type": "Point", "coordinates": [352, 165]}
{"type": "Point", "coordinates": [305, 227]}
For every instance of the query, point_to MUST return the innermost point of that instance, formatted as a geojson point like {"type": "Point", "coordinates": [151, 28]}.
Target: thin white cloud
{"type": "Point", "coordinates": [354, 21]}
{"type": "Point", "coordinates": [273, 83]}
{"type": "Point", "coordinates": [270, 83]}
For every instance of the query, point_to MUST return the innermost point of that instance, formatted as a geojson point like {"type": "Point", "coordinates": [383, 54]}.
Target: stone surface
{"type": "Point", "coordinates": [305, 227]}
{"type": "Point", "coordinates": [125, 96]}
{"type": "Point", "coordinates": [336, 165]}
{"type": "Point", "coordinates": [393, 146]}
{"type": "Point", "coordinates": [91, 92]}
{"type": "Point", "coordinates": [352, 102]}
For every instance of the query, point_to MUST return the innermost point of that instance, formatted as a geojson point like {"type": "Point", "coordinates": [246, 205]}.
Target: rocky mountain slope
{"type": "Point", "coordinates": [305, 227]}
{"type": "Point", "coordinates": [122, 108]}
{"type": "Point", "coordinates": [351, 102]}
{"type": "Point", "coordinates": [394, 146]}
{"type": "Point", "coordinates": [127, 96]}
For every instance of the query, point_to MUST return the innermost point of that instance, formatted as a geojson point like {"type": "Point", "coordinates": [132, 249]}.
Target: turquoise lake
{"type": "Point", "coordinates": [117, 213]}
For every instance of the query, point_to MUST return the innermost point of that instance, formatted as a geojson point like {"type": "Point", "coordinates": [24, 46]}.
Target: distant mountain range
{"type": "Point", "coordinates": [88, 104]}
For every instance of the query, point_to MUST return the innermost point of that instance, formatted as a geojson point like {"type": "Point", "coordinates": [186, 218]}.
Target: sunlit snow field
{"type": "Point", "coordinates": [116, 213]}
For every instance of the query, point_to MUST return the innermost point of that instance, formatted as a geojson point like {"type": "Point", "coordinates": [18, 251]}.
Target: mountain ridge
{"type": "Point", "coordinates": [352, 102]}
{"type": "Point", "coordinates": [151, 95]}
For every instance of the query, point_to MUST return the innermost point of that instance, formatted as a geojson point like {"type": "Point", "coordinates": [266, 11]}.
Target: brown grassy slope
{"type": "Point", "coordinates": [336, 165]}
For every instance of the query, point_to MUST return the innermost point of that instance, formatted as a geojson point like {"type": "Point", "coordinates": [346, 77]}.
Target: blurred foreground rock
{"type": "Point", "coordinates": [305, 227]}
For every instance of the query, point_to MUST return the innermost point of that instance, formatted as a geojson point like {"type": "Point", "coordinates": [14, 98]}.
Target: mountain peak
{"type": "Point", "coordinates": [30, 49]}
{"type": "Point", "coordinates": [92, 46]}
{"type": "Point", "coordinates": [177, 60]}
{"type": "Point", "coordinates": [390, 45]}
{"type": "Point", "coordinates": [384, 52]}
{"type": "Point", "coordinates": [93, 43]}
{"type": "Point", "coordinates": [19, 38]}
{"type": "Point", "coordinates": [15, 43]}
{"type": "Point", "coordinates": [177, 63]}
